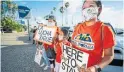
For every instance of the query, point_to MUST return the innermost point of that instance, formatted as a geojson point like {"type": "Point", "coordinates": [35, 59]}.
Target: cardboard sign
{"type": "Point", "coordinates": [45, 34]}
{"type": "Point", "coordinates": [38, 56]}
{"type": "Point", "coordinates": [73, 59]}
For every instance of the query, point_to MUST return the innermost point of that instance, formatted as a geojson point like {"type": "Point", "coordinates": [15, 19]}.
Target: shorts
{"type": "Point", "coordinates": [52, 63]}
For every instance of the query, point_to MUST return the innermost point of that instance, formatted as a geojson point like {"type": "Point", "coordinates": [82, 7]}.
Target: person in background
{"type": "Point", "coordinates": [40, 47]}
{"type": "Point", "coordinates": [97, 35]}
{"type": "Point", "coordinates": [35, 28]}
{"type": "Point", "coordinates": [62, 38]}
{"type": "Point", "coordinates": [50, 48]}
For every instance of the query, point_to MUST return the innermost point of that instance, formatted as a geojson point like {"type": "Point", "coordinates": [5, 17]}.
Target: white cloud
{"type": "Point", "coordinates": [113, 16]}
{"type": "Point", "coordinates": [109, 14]}
{"type": "Point", "coordinates": [23, 3]}
{"type": "Point", "coordinates": [73, 12]}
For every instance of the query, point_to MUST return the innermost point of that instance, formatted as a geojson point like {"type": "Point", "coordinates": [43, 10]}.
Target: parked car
{"type": "Point", "coordinates": [118, 49]}
{"type": "Point", "coordinates": [7, 30]}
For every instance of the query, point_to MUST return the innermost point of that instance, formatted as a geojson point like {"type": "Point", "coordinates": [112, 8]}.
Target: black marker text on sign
{"type": "Point", "coordinates": [72, 59]}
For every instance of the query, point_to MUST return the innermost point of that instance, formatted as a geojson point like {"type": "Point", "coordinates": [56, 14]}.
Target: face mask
{"type": "Point", "coordinates": [51, 24]}
{"type": "Point", "coordinates": [90, 13]}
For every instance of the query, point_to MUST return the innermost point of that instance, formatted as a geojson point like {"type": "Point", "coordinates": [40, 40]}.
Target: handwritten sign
{"type": "Point", "coordinates": [73, 59]}
{"type": "Point", "coordinates": [45, 34]}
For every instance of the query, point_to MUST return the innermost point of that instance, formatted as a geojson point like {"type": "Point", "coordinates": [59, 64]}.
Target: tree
{"type": "Point", "coordinates": [8, 8]}
{"type": "Point", "coordinates": [46, 17]}
{"type": "Point", "coordinates": [54, 8]}
{"type": "Point", "coordinates": [61, 11]}
{"type": "Point", "coordinates": [66, 6]}
{"type": "Point", "coordinates": [8, 22]}
{"type": "Point", "coordinates": [51, 13]}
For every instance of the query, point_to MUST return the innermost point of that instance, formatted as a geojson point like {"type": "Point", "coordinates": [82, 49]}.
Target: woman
{"type": "Point", "coordinates": [50, 48]}
{"type": "Point", "coordinates": [94, 37]}
{"type": "Point", "coordinates": [40, 47]}
{"type": "Point", "coordinates": [35, 28]}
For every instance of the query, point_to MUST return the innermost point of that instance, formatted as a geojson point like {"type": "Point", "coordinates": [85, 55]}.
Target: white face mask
{"type": "Point", "coordinates": [51, 24]}
{"type": "Point", "coordinates": [90, 13]}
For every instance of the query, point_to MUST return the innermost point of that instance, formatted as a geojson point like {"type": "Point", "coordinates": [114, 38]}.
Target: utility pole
{"type": "Point", "coordinates": [28, 29]}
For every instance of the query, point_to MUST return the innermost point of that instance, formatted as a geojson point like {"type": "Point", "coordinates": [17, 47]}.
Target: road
{"type": "Point", "coordinates": [17, 55]}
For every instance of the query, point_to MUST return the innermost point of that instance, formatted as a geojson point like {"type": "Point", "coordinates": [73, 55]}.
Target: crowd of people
{"type": "Point", "coordinates": [96, 33]}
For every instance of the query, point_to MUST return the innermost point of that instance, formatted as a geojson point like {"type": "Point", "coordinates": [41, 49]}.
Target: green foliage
{"type": "Point", "coordinates": [12, 24]}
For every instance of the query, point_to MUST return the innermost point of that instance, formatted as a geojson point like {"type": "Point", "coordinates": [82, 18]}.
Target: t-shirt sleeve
{"type": "Point", "coordinates": [109, 38]}
{"type": "Point", "coordinates": [75, 32]}
{"type": "Point", "coordinates": [45, 46]}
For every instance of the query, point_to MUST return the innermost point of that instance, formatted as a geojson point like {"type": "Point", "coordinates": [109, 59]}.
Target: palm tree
{"type": "Point", "coordinates": [61, 11]}
{"type": "Point", "coordinates": [66, 6]}
{"type": "Point", "coordinates": [46, 17]}
{"type": "Point", "coordinates": [51, 12]}
{"type": "Point", "coordinates": [8, 8]}
{"type": "Point", "coordinates": [54, 8]}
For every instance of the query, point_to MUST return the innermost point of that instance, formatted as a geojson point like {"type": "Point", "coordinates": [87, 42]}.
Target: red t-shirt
{"type": "Point", "coordinates": [46, 46]}
{"type": "Point", "coordinates": [59, 50]}
{"type": "Point", "coordinates": [89, 40]}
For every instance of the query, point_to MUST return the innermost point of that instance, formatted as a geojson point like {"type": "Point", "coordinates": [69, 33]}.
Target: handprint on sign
{"type": "Point", "coordinates": [82, 68]}
{"type": "Point", "coordinates": [64, 58]}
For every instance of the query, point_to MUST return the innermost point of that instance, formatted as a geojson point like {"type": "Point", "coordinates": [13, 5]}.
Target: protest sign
{"type": "Point", "coordinates": [73, 59]}
{"type": "Point", "coordinates": [45, 34]}
{"type": "Point", "coordinates": [38, 56]}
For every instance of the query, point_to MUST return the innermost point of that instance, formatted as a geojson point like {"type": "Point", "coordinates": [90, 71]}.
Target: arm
{"type": "Point", "coordinates": [108, 57]}
{"type": "Point", "coordinates": [108, 44]}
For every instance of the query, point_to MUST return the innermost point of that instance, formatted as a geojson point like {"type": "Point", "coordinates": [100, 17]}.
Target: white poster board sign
{"type": "Point", "coordinates": [45, 34]}
{"type": "Point", "coordinates": [38, 56]}
{"type": "Point", "coordinates": [73, 59]}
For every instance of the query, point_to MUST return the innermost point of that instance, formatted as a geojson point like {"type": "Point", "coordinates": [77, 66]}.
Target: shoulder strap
{"type": "Point", "coordinates": [102, 31]}
{"type": "Point", "coordinates": [102, 38]}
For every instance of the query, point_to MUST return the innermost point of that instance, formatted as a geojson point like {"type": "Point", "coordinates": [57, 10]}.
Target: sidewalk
{"type": "Point", "coordinates": [15, 38]}
{"type": "Point", "coordinates": [17, 54]}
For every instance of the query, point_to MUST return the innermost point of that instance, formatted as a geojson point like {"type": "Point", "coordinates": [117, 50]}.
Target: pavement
{"type": "Point", "coordinates": [17, 53]}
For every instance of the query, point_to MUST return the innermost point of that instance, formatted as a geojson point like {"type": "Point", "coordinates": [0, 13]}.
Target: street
{"type": "Point", "coordinates": [17, 54]}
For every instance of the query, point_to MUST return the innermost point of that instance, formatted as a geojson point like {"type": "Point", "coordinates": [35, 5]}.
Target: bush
{"type": "Point", "coordinates": [7, 22]}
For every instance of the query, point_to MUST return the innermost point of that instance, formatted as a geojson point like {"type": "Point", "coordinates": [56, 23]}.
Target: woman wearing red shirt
{"type": "Point", "coordinates": [94, 37]}
{"type": "Point", "coordinates": [50, 48]}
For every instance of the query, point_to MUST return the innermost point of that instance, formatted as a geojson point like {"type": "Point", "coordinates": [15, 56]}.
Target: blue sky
{"type": "Point", "coordinates": [39, 8]}
{"type": "Point", "coordinates": [42, 8]}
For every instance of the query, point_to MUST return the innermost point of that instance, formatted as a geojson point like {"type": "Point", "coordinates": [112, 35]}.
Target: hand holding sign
{"type": "Point", "coordinates": [73, 60]}
{"type": "Point", "coordinates": [45, 34]}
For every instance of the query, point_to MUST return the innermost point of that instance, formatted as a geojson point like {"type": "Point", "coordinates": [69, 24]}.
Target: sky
{"type": "Point", "coordinates": [112, 11]}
